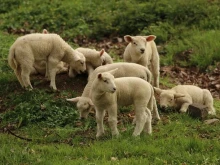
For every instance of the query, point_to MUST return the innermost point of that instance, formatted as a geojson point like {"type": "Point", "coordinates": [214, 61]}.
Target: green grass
{"type": "Point", "coordinates": [58, 137]}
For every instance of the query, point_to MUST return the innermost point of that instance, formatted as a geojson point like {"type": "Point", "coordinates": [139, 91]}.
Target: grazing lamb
{"type": "Point", "coordinates": [181, 96]}
{"type": "Point", "coordinates": [40, 47]}
{"type": "Point", "coordinates": [93, 60]}
{"type": "Point", "coordinates": [107, 93]}
{"type": "Point", "coordinates": [84, 103]}
{"type": "Point", "coordinates": [40, 66]}
{"type": "Point", "coordinates": [142, 50]}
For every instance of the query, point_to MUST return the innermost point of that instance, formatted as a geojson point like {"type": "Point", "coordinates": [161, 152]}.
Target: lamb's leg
{"type": "Point", "coordinates": [25, 75]}
{"type": "Point", "coordinates": [99, 120]}
{"type": "Point", "coordinates": [89, 69]}
{"type": "Point", "coordinates": [52, 63]}
{"type": "Point", "coordinates": [140, 117]}
{"type": "Point", "coordinates": [148, 125]}
{"type": "Point", "coordinates": [208, 101]}
{"type": "Point", "coordinates": [112, 119]}
{"type": "Point", "coordinates": [184, 107]}
{"type": "Point", "coordinates": [155, 110]}
{"type": "Point", "coordinates": [18, 75]}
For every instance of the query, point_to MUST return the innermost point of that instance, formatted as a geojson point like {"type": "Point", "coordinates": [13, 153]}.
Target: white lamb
{"type": "Point", "coordinates": [84, 103]}
{"type": "Point", "coordinates": [181, 96]}
{"type": "Point", "coordinates": [42, 47]}
{"type": "Point", "coordinates": [40, 66]}
{"type": "Point", "coordinates": [93, 60]}
{"type": "Point", "coordinates": [142, 50]}
{"type": "Point", "coordinates": [107, 93]}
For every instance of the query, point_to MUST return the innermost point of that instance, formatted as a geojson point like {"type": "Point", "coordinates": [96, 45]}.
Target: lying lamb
{"type": "Point", "coordinates": [142, 50]}
{"type": "Point", "coordinates": [84, 103]}
{"type": "Point", "coordinates": [181, 96]}
{"type": "Point", "coordinates": [40, 47]}
{"type": "Point", "coordinates": [107, 93]}
{"type": "Point", "coordinates": [93, 60]}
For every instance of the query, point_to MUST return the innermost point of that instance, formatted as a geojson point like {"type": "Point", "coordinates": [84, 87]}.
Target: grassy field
{"type": "Point", "coordinates": [40, 127]}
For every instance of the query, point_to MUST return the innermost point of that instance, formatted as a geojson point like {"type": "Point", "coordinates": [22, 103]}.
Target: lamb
{"type": "Point", "coordinates": [107, 93]}
{"type": "Point", "coordinates": [84, 103]}
{"type": "Point", "coordinates": [181, 96]}
{"type": "Point", "coordinates": [107, 59]}
{"type": "Point", "coordinates": [142, 50]}
{"type": "Point", "coordinates": [94, 59]}
{"type": "Point", "coordinates": [40, 66]}
{"type": "Point", "coordinates": [40, 47]}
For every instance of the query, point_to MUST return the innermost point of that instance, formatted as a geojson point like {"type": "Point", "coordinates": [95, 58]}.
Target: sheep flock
{"type": "Point", "coordinates": [135, 81]}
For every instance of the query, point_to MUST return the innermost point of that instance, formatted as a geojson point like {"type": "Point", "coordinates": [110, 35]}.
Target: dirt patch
{"type": "Point", "coordinates": [63, 82]}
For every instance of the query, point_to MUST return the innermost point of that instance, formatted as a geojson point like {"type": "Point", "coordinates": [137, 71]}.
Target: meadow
{"type": "Point", "coordinates": [41, 127]}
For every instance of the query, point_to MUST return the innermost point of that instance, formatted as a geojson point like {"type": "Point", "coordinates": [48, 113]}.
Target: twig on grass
{"type": "Point", "coordinates": [23, 138]}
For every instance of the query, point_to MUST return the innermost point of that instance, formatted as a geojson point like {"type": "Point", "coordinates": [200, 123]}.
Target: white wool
{"type": "Point", "coordinates": [142, 50]}
{"type": "Point", "coordinates": [42, 47]}
{"type": "Point", "coordinates": [124, 70]}
{"type": "Point", "coordinates": [107, 93]}
{"type": "Point", "coordinates": [181, 96]}
{"type": "Point", "coordinates": [93, 57]}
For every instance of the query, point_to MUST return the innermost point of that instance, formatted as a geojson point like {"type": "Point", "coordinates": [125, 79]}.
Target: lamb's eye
{"type": "Point", "coordinates": [171, 100]}
{"type": "Point", "coordinates": [134, 43]}
{"type": "Point", "coordinates": [82, 62]}
{"type": "Point", "coordinates": [106, 81]}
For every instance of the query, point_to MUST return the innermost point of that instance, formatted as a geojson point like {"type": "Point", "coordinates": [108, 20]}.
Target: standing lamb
{"type": "Point", "coordinates": [40, 47]}
{"type": "Point", "coordinates": [107, 93]}
{"type": "Point", "coordinates": [142, 50]}
{"type": "Point", "coordinates": [181, 96]}
{"type": "Point", "coordinates": [84, 103]}
{"type": "Point", "coordinates": [40, 66]}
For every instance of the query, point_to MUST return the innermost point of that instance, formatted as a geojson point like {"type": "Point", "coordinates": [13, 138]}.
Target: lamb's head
{"type": "Point", "coordinates": [139, 43]}
{"type": "Point", "coordinates": [79, 62]}
{"type": "Point", "coordinates": [84, 105]}
{"type": "Point", "coordinates": [98, 58]}
{"type": "Point", "coordinates": [106, 81]}
{"type": "Point", "coordinates": [168, 97]}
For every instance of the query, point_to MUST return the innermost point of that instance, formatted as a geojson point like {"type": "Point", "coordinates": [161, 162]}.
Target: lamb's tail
{"type": "Point", "coordinates": [11, 59]}
{"type": "Point", "coordinates": [149, 75]}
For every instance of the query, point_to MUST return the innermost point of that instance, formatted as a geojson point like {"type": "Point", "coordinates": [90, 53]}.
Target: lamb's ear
{"type": "Point", "coordinates": [45, 31]}
{"type": "Point", "coordinates": [113, 71]}
{"type": "Point", "coordinates": [102, 52]}
{"type": "Point", "coordinates": [158, 90]}
{"type": "Point", "coordinates": [76, 99]}
{"type": "Point", "coordinates": [150, 38]}
{"type": "Point", "coordinates": [90, 102]}
{"type": "Point", "coordinates": [128, 38]}
{"type": "Point", "coordinates": [99, 76]}
{"type": "Point", "coordinates": [178, 95]}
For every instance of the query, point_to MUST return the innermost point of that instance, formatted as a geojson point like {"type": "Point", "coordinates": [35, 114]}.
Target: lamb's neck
{"type": "Point", "coordinates": [98, 94]}
{"type": "Point", "coordinates": [68, 55]}
{"type": "Point", "coordinates": [88, 58]}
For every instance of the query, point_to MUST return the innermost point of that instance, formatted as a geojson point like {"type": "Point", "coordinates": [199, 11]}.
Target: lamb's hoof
{"type": "Point", "coordinates": [116, 136]}
{"type": "Point", "coordinates": [99, 135]}
{"type": "Point", "coordinates": [28, 88]}
{"type": "Point", "coordinates": [54, 89]}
